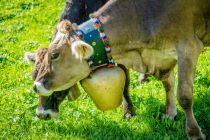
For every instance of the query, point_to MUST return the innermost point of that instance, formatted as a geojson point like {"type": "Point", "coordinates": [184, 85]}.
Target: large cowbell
{"type": "Point", "coordinates": [105, 86]}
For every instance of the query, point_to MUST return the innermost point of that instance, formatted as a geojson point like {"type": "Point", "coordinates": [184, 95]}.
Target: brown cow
{"type": "Point", "coordinates": [146, 35]}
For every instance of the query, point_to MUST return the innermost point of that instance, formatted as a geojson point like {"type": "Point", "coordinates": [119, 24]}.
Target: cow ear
{"type": "Point", "coordinates": [30, 57]}
{"type": "Point", "coordinates": [81, 49]}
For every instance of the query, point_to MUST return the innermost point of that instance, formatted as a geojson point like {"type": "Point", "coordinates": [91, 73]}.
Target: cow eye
{"type": "Point", "coordinates": [54, 55]}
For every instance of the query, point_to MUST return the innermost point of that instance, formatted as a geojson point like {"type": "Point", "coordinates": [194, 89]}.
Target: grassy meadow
{"type": "Point", "coordinates": [26, 25]}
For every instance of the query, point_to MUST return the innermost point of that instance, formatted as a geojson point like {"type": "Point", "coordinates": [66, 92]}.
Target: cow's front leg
{"type": "Point", "coordinates": [128, 109]}
{"type": "Point", "coordinates": [168, 83]}
{"type": "Point", "coordinates": [127, 105]}
{"type": "Point", "coordinates": [188, 53]}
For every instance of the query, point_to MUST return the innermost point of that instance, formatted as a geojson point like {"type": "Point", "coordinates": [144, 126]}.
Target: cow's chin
{"type": "Point", "coordinates": [65, 86]}
{"type": "Point", "coordinates": [46, 92]}
{"type": "Point", "coordinates": [71, 83]}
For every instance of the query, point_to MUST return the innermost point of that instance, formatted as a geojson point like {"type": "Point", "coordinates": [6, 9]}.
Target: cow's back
{"type": "Point", "coordinates": [148, 21]}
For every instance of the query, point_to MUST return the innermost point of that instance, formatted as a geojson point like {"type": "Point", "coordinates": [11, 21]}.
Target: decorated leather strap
{"type": "Point", "coordinates": [99, 27]}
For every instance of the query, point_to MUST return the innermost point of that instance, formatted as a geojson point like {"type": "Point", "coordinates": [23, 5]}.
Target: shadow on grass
{"type": "Point", "coordinates": [202, 111]}
{"type": "Point", "coordinates": [146, 125]}
{"type": "Point", "coordinates": [162, 128]}
{"type": "Point", "coordinates": [175, 129]}
{"type": "Point", "coordinates": [100, 129]}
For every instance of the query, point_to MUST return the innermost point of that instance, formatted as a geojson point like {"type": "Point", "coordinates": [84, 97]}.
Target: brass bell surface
{"type": "Point", "coordinates": [105, 87]}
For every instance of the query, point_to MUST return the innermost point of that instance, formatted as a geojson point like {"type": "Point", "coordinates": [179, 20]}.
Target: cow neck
{"type": "Point", "coordinates": [92, 32]}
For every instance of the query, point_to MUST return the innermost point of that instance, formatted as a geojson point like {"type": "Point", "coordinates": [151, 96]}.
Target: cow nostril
{"type": "Point", "coordinates": [35, 88]}
{"type": "Point", "coordinates": [48, 116]}
{"type": "Point", "coordinates": [45, 81]}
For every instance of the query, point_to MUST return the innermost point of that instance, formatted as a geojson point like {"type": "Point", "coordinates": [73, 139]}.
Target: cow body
{"type": "Point", "coordinates": [146, 35]}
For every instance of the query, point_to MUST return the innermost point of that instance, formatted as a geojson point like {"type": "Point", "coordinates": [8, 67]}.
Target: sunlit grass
{"type": "Point", "coordinates": [27, 25]}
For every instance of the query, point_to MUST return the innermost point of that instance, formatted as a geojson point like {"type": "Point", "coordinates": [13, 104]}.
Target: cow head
{"type": "Point", "coordinates": [64, 62]}
{"type": "Point", "coordinates": [48, 106]}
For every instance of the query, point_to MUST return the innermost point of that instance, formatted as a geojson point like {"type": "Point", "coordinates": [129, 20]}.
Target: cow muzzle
{"type": "Point", "coordinates": [40, 88]}
{"type": "Point", "coordinates": [46, 114]}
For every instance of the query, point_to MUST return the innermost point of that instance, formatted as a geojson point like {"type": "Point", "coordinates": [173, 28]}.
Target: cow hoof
{"type": "Point", "coordinates": [129, 115]}
{"type": "Point", "coordinates": [170, 117]}
{"type": "Point", "coordinates": [195, 134]}
{"type": "Point", "coordinates": [201, 137]}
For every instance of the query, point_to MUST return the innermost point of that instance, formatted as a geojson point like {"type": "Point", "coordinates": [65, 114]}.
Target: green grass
{"type": "Point", "coordinates": [27, 25]}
